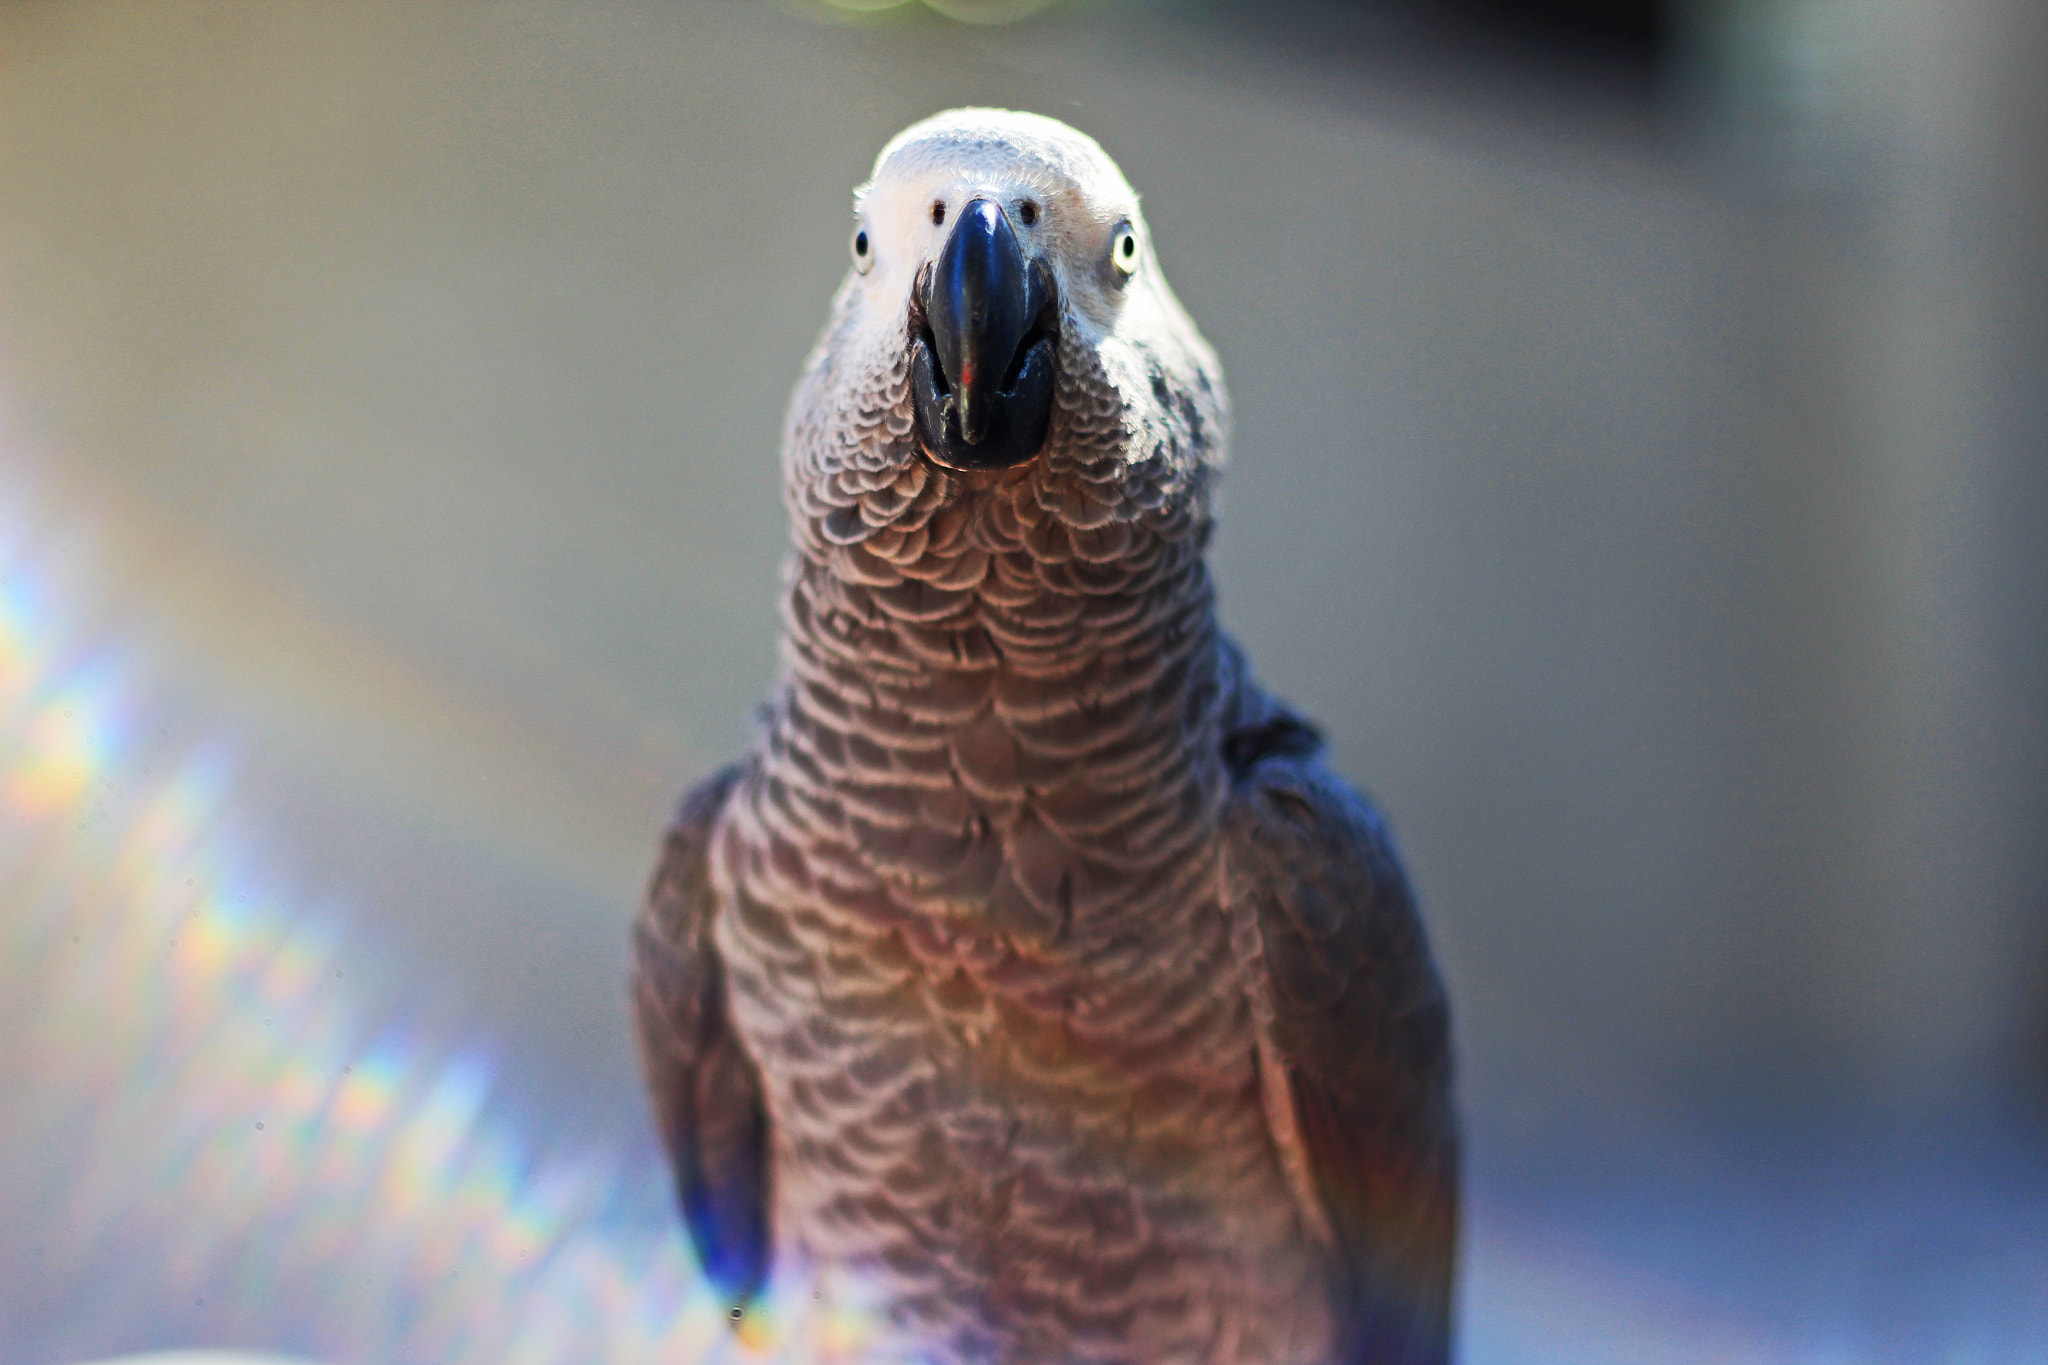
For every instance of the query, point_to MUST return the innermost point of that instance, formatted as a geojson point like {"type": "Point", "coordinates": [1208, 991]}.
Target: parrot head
{"type": "Point", "coordinates": [1004, 313]}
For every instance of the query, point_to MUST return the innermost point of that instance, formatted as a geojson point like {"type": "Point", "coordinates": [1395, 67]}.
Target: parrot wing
{"type": "Point", "coordinates": [706, 1090]}
{"type": "Point", "coordinates": [1354, 1044]}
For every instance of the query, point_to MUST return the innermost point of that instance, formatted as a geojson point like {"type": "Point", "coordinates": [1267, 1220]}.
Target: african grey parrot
{"type": "Point", "coordinates": [1034, 991]}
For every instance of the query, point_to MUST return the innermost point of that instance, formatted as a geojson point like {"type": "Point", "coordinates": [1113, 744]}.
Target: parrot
{"type": "Point", "coordinates": [1034, 991]}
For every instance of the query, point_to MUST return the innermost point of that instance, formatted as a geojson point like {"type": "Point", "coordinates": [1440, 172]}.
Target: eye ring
{"type": "Point", "coordinates": [1123, 251]}
{"type": "Point", "coordinates": [863, 250]}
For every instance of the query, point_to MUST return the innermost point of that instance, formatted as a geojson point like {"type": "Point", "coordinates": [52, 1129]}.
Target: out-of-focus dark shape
{"type": "Point", "coordinates": [2017, 235]}
{"type": "Point", "coordinates": [1634, 32]}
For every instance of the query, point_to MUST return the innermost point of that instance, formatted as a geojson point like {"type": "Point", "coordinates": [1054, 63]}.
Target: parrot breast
{"type": "Point", "coordinates": [971, 915]}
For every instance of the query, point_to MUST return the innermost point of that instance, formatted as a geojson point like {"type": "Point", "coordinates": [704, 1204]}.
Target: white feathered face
{"type": "Point", "coordinates": [1004, 290]}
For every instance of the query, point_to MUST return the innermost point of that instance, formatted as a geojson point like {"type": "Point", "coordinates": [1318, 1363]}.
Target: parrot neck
{"type": "Point", "coordinates": [1015, 712]}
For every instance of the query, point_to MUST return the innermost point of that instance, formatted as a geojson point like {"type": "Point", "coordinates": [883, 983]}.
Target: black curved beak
{"type": "Point", "coordinates": [982, 362]}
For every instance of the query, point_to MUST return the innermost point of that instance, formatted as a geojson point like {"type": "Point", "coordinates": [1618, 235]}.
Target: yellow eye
{"type": "Point", "coordinates": [1123, 251]}
{"type": "Point", "coordinates": [863, 250]}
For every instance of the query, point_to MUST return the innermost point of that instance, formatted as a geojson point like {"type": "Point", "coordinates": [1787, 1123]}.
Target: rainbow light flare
{"type": "Point", "coordinates": [208, 1140]}
{"type": "Point", "coordinates": [204, 1141]}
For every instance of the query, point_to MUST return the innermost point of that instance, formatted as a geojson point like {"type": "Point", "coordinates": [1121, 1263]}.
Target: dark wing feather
{"type": "Point", "coordinates": [706, 1092]}
{"type": "Point", "coordinates": [1354, 1020]}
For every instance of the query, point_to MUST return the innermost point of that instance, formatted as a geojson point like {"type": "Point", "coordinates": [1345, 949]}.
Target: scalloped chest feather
{"type": "Point", "coordinates": [971, 916]}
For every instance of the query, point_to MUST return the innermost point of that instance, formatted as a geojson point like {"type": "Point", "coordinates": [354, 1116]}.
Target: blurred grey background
{"type": "Point", "coordinates": [1638, 469]}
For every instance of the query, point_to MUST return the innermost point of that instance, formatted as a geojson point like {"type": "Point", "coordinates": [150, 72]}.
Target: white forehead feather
{"type": "Point", "coordinates": [1004, 142]}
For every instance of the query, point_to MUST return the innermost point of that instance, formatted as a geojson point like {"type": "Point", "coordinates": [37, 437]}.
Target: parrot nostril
{"type": "Point", "coordinates": [938, 212]}
{"type": "Point", "coordinates": [1027, 213]}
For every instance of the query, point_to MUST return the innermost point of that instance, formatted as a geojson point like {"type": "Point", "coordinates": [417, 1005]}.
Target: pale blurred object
{"type": "Point", "coordinates": [202, 1358]}
{"type": "Point", "coordinates": [1910, 133]}
{"type": "Point", "coordinates": [966, 11]}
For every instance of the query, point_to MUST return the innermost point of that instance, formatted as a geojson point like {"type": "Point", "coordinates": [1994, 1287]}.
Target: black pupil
{"type": "Point", "coordinates": [860, 244]}
{"type": "Point", "coordinates": [1130, 245]}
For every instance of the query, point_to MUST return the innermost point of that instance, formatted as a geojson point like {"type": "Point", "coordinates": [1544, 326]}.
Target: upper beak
{"type": "Point", "coordinates": [984, 367]}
